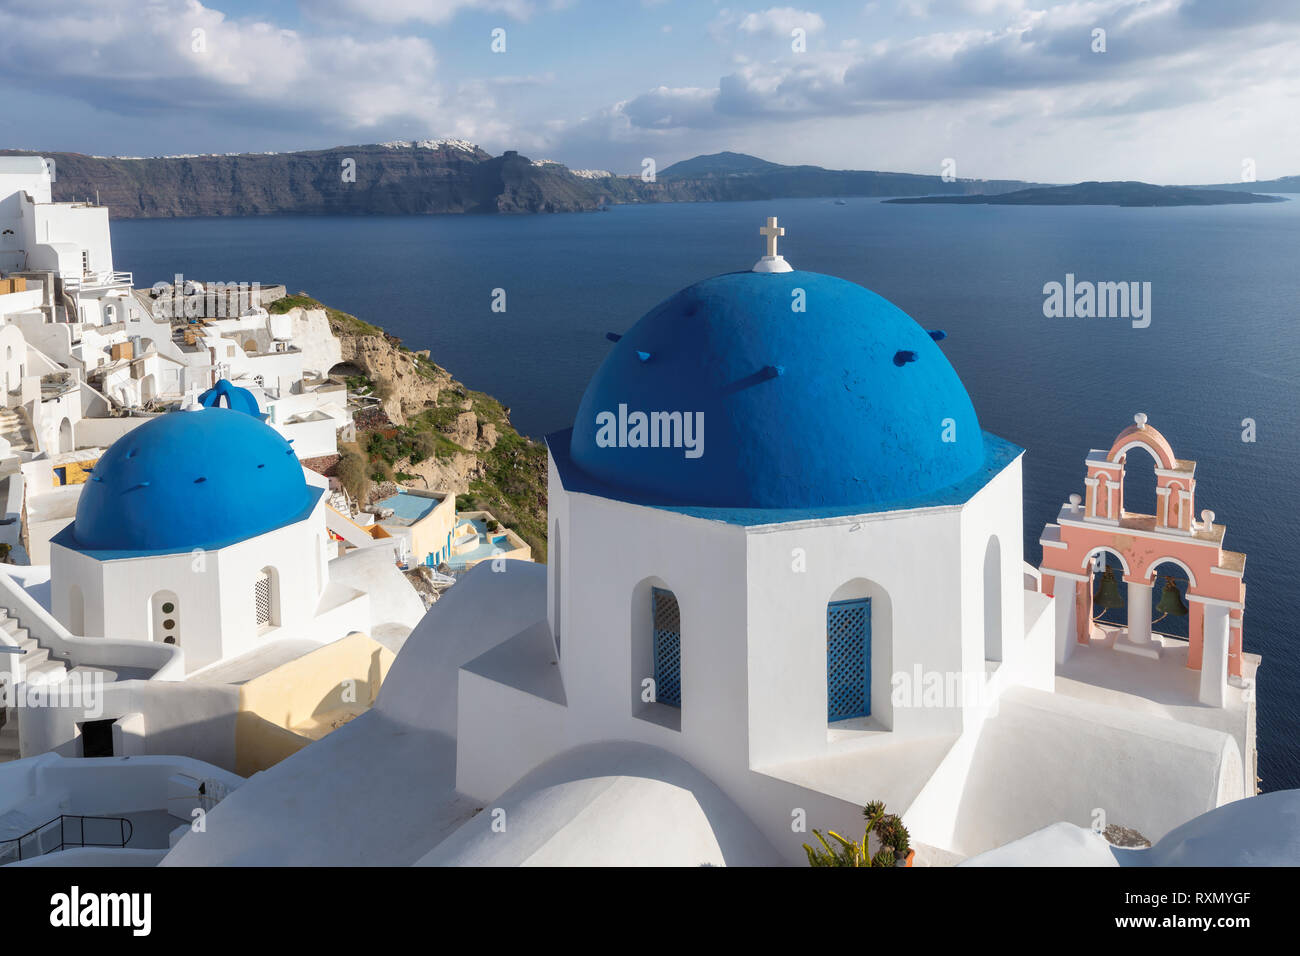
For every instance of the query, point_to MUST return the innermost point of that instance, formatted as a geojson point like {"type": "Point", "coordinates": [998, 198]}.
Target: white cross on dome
{"type": "Point", "coordinates": [772, 262]}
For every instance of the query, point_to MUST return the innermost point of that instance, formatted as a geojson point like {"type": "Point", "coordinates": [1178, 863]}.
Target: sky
{"type": "Point", "coordinates": [1168, 91]}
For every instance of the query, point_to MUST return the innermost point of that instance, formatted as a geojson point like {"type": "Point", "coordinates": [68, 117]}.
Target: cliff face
{"type": "Point", "coordinates": [430, 431]}
{"type": "Point", "coordinates": [388, 181]}
{"type": "Point", "coordinates": [443, 178]}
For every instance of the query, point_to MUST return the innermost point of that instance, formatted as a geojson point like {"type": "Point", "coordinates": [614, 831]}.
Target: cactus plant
{"type": "Point", "coordinates": [889, 831]}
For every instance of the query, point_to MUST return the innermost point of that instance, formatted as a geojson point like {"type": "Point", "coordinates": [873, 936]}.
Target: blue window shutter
{"type": "Point", "coordinates": [848, 659]}
{"type": "Point", "coordinates": [667, 624]}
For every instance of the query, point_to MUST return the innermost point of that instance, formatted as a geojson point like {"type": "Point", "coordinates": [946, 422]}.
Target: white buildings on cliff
{"type": "Point", "coordinates": [86, 357]}
{"type": "Point", "coordinates": [164, 565]}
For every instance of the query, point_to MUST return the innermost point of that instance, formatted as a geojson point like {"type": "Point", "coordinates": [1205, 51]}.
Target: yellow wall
{"type": "Point", "coordinates": [287, 708]}
{"type": "Point", "coordinates": [429, 534]}
{"type": "Point", "coordinates": [78, 472]}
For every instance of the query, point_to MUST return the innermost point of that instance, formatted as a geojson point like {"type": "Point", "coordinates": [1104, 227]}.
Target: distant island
{"type": "Point", "coordinates": [1283, 184]}
{"type": "Point", "coordinates": [1104, 194]}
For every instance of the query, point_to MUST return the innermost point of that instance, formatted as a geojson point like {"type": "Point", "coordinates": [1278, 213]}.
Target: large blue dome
{"type": "Point", "coordinates": [847, 403]}
{"type": "Point", "coordinates": [191, 479]}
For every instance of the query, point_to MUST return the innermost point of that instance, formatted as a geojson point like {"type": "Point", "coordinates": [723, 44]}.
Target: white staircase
{"type": "Point", "coordinates": [36, 663]}
{"type": "Point", "coordinates": [13, 429]}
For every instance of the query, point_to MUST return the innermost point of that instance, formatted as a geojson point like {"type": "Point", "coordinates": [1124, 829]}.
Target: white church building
{"type": "Point", "coordinates": [197, 529]}
{"type": "Point", "coordinates": [785, 578]}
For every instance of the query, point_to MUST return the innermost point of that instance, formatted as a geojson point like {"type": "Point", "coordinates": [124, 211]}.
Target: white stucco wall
{"type": "Point", "coordinates": [753, 608]}
{"type": "Point", "coordinates": [214, 591]}
{"type": "Point", "coordinates": [85, 227]}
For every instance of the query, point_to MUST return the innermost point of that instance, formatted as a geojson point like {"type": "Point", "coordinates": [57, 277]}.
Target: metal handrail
{"type": "Point", "coordinates": [126, 830]}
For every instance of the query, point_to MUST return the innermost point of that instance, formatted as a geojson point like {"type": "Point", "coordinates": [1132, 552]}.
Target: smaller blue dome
{"type": "Point", "coordinates": [231, 396]}
{"type": "Point", "coordinates": [192, 479]}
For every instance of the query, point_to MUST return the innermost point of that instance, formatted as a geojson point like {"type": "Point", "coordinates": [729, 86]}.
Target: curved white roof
{"type": "Point", "coordinates": [609, 804]}
{"type": "Point", "coordinates": [1256, 831]}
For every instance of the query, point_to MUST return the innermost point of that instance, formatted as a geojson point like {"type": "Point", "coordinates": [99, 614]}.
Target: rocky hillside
{"type": "Point", "coordinates": [445, 177]}
{"type": "Point", "coordinates": [427, 430]}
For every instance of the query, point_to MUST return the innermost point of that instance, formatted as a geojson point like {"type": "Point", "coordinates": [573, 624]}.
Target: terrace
{"type": "Point", "coordinates": [473, 542]}
{"type": "Point", "coordinates": [407, 508]}
{"type": "Point", "coordinates": [96, 281]}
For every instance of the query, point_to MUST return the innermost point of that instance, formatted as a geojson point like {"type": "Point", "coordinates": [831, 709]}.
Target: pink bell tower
{"type": "Point", "coordinates": [1098, 523]}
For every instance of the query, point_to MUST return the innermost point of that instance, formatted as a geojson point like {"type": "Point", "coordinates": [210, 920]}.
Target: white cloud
{"type": "Point", "coordinates": [1183, 86]}
{"type": "Point", "coordinates": [150, 59]}
{"type": "Point", "coordinates": [434, 12]}
{"type": "Point", "coordinates": [1004, 87]}
{"type": "Point", "coordinates": [665, 107]}
{"type": "Point", "coordinates": [1158, 54]}
{"type": "Point", "coordinates": [780, 21]}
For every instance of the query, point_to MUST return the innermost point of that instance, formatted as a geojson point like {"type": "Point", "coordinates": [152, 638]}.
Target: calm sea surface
{"type": "Point", "coordinates": [1222, 346]}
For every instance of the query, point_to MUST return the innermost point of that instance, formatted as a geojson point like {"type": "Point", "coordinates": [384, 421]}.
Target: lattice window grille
{"type": "Point", "coordinates": [262, 598]}
{"type": "Point", "coordinates": [848, 629]}
{"type": "Point", "coordinates": [668, 648]}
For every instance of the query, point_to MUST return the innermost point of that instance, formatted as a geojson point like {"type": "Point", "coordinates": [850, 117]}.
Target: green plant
{"type": "Point", "coordinates": [423, 444]}
{"type": "Point", "coordinates": [352, 471]}
{"type": "Point", "coordinates": [888, 829]}
{"type": "Point", "coordinates": [904, 846]}
{"type": "Point", "coordinates": [893, 834]}
{"type": "Point", "coordinates": [340, 322]}
{"type": "Point", "coordinates": [884, 857]}
{"type": "Point", "coordinates": [847, 853]}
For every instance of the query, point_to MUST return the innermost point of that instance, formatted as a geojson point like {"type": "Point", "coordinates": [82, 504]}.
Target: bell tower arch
{"type": "Point", "coordinates": [1099, 522]}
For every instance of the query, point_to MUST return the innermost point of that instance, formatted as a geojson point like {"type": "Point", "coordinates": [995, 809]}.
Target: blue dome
{"type": "Point", "coordinates": [847, 403]}
{"type": "Point", "coordinates": [191, 479]}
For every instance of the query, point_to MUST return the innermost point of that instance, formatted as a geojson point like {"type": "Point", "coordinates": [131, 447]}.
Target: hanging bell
{"type": "Point", "coordinates": [1107, 595]}
{"type": "Point", "coordinates": [1171, 601]}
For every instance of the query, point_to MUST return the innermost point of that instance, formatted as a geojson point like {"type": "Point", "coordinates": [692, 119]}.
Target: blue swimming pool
{"type": "Point", "coordinates": [409, 507]}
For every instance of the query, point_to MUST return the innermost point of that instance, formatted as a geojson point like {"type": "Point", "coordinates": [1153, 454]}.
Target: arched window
{"type": "Point", "coordinates": [1170, 611]}
{"type": "Point", "coordinates": [266, 598]}
{"type": "Point", "coordinates": [993, 601]}
{"type": "Point", "coordinates": [655, 654]}
{"type": "Point", "coordinates": [1096, 565]}
{"type": "Point", "coordinates": [848, 659]}
{"type": "Point", "coordinates": [165, 618]}
{"type": "Point", "coordinates": [1139, 491]}
{"type": "Point", "coordinates": [666, 621]}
